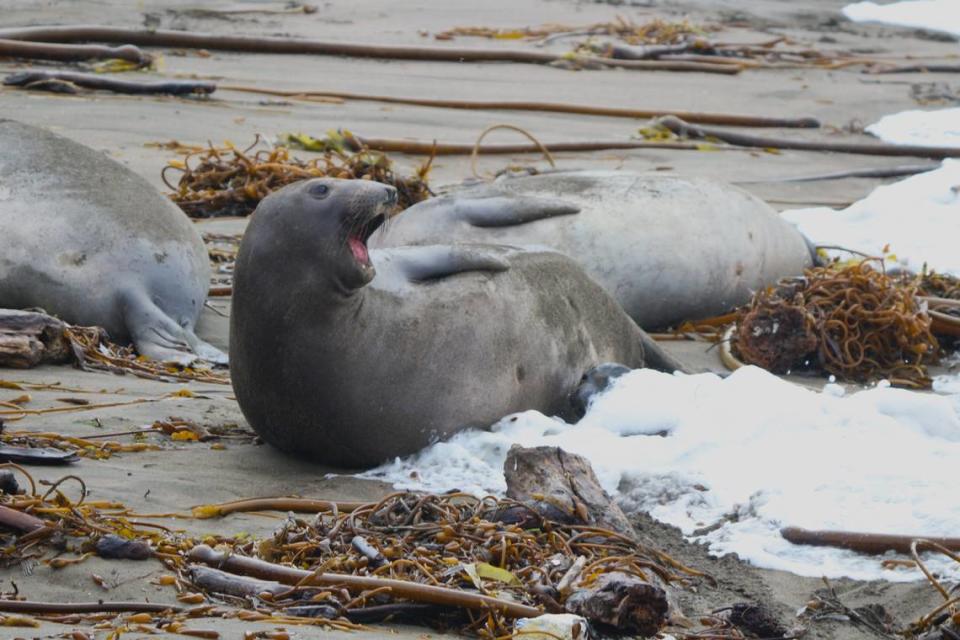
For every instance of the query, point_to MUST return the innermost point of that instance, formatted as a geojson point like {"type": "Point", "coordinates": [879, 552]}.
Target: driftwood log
{"type": "Point", "coordinates": [869, 543]}
{"type": "Point", "coordinates": [217, 581]}
{"type": "Point", "coordinates": [307, 46]}
{"type": "Point", "coordinates": [28, 339]}
{"type": "Point", "coordinates": [563, 487]}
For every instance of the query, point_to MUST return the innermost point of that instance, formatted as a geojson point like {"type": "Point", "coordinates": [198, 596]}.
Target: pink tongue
{"type": "Point", "coordinates": [359, 250]}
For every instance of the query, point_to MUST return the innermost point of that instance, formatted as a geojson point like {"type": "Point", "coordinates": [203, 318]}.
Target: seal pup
{"type": "Point", "coordinates": [352, 357]}
{"type": "Point", "coordinates": [667, 248]}
{"type": "Point", "coordinates": [89, 241]}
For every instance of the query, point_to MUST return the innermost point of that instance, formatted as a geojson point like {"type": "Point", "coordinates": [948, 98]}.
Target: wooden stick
{"type": "Point", "coordinates": [299, 505]}
{"type": "Point", "coordinates": [20, 521]}
{"type": "Point", "coordinates": [919, 68]}
{"type": "Point", "coordinates": [95, 81]}
{"type": "Point", "coordinates": [220, 291]}
{"type": "Point", "coordinates": [414, 147]}
{"type": "Point", "coordinates": [735, 120]}
{"type": "Point", "coordinates": [15, 48]}
{"type": "Point", "coordinates": [355, 584]}
{"type": "Point", "coordinates": [879, 172]}
{"type": "Point", "coordinates": [266, 44]}
{"type": "Point", "coordinates": [685, 129]}
{"type": "Point", "coordinates": [944, 323]}
{"type": "Point", "coordinates": [26, 606]}
{"type": "Point", "coordinates": [871, 543]}
{"type": "Point", "coordinates": [217, 581]}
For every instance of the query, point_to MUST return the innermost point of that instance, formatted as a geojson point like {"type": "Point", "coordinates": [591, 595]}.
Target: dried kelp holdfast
{"type": "Point", "coordinates": [855, 322]}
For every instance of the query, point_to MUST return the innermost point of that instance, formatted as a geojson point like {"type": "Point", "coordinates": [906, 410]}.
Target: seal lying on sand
{"type": "Point", "coordinates": [353, 357]}
{"type": "Point", "coordinates": [86, 239]}
{"type": "Point", "coordinates": [667, 248]}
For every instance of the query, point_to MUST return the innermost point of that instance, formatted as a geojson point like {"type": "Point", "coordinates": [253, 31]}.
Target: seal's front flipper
{"type": "Point", "coordinates": [654, 357]}
{"type": "Point", "coordinates": [507, 210]}
{"type": "Point", "coordinates": [421, 264]}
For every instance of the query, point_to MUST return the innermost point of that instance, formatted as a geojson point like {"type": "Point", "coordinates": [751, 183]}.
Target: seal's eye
{"type": "Point", "coordinates": [319, 190]}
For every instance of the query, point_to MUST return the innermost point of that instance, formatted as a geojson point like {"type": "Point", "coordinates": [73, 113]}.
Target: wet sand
{"type": "Point", "coordinates": [184, 474]}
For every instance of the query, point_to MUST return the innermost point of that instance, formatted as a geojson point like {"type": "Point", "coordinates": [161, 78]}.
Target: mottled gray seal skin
{"type": "Point", "coordinates": [352, 357]}
{"type": "Point", "coordinates": [87, 240]}
{"type": "Point", "coordinates": [667, 248]}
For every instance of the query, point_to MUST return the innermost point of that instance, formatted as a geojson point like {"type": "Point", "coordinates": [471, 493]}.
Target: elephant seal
{"type": "Point", "coordinates": [91, 242]}
{"type": "Point", "coordinates": [667, 248]}
{"type": "Point", "coordinates": [352, 357]}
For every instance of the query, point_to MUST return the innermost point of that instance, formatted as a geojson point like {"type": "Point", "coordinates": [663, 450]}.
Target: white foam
{"type": "Point", "coordinates": [939, 128]}
{"type": "Point", "coordinates": [772, 453]}
{"type": "Point", "coordinates": [918, 219]}
{"type": "Point", "coordinates": [935, 15]}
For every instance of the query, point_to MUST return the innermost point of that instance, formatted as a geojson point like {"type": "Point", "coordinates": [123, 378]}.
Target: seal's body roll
{"type": "Point", "coordinates": [667, 248]}
{"type": "Point", "coordinates": [89, 241]}
{"type": "Point", "coordinates": [349, 369]}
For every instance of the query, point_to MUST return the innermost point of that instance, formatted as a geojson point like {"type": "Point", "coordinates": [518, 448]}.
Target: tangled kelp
{"type": "Point", "coordinates": [227, 181]}
{"type": "Point", "coordinates": [453, 560]}
{"type": "Point", "coordinates": [855, 322]}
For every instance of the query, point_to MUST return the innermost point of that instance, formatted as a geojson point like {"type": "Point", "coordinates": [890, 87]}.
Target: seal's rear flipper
{"type": "Point", "coordinates": [205, 350]}
{"type": "Point", "coordinates": [654, 356]}
{"type": "Point", "coordinates": [158, 337]}
{"type": "Point", "coordinates": [507, 210]}
{"type": "Point", "coordinates": [420, 264]}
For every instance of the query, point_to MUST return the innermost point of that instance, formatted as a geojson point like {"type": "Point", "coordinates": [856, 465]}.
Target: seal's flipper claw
{"type": "Point", "coordinates": [420, 264]}
{"type": "Point", "coordinates": [654, 357]}
{"type": "Point", "coordinates": [509, 210]}
{"type": "Point", "coordinates": [158, 352]}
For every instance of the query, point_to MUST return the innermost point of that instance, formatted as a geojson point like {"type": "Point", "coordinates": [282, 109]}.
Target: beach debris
{"type": "Point", "coordinates": [36, 455]}
{"type": "Point", "coordinates": [622, 601]}
{"type": "Point", "coordinates": [561, 487]}
{"type": "Point", "coordinates": [116, 547]}
{"type": "Point", "coordinates": [826, 604]}
{"type": "Point", "coordinates": [227, 181]}
{"type": "Point", "coordinates": [651, 32]}
{"type": "Point", "coordinates": [854, 322]}
{"type": "Point", "coordinates": [29, 339]}
{"type": "Point", "coordinates": [309, 46]}
{"type": "Point", "coordinates": [551, 626]}
{"type": "Point", "coordinates": [754, 618]}
{"type": "Point", "coordinates": [442, 559]}
{"type": "Point", "coordinates": [730, 119]}
{"type": "Point", "coordinates": [290, 8]}
{"type": "Point", "coordinates": [870, 543]}
{"type": "Point", "coordinates": [70, 81]}
{"type": "Point", "coordinates": [357, 143]}
{"type": "Point", "coordinates": [688, 131]}
{"type": "Point", "coordinates": [15, 48]}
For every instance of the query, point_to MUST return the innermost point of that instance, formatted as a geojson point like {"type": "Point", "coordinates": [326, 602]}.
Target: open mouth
{"type": "Point", "coordinates": [357, 241]}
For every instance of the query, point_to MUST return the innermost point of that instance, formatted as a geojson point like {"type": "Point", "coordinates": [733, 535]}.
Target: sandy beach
{"type": "Point", "coordinates": [178, 475]}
